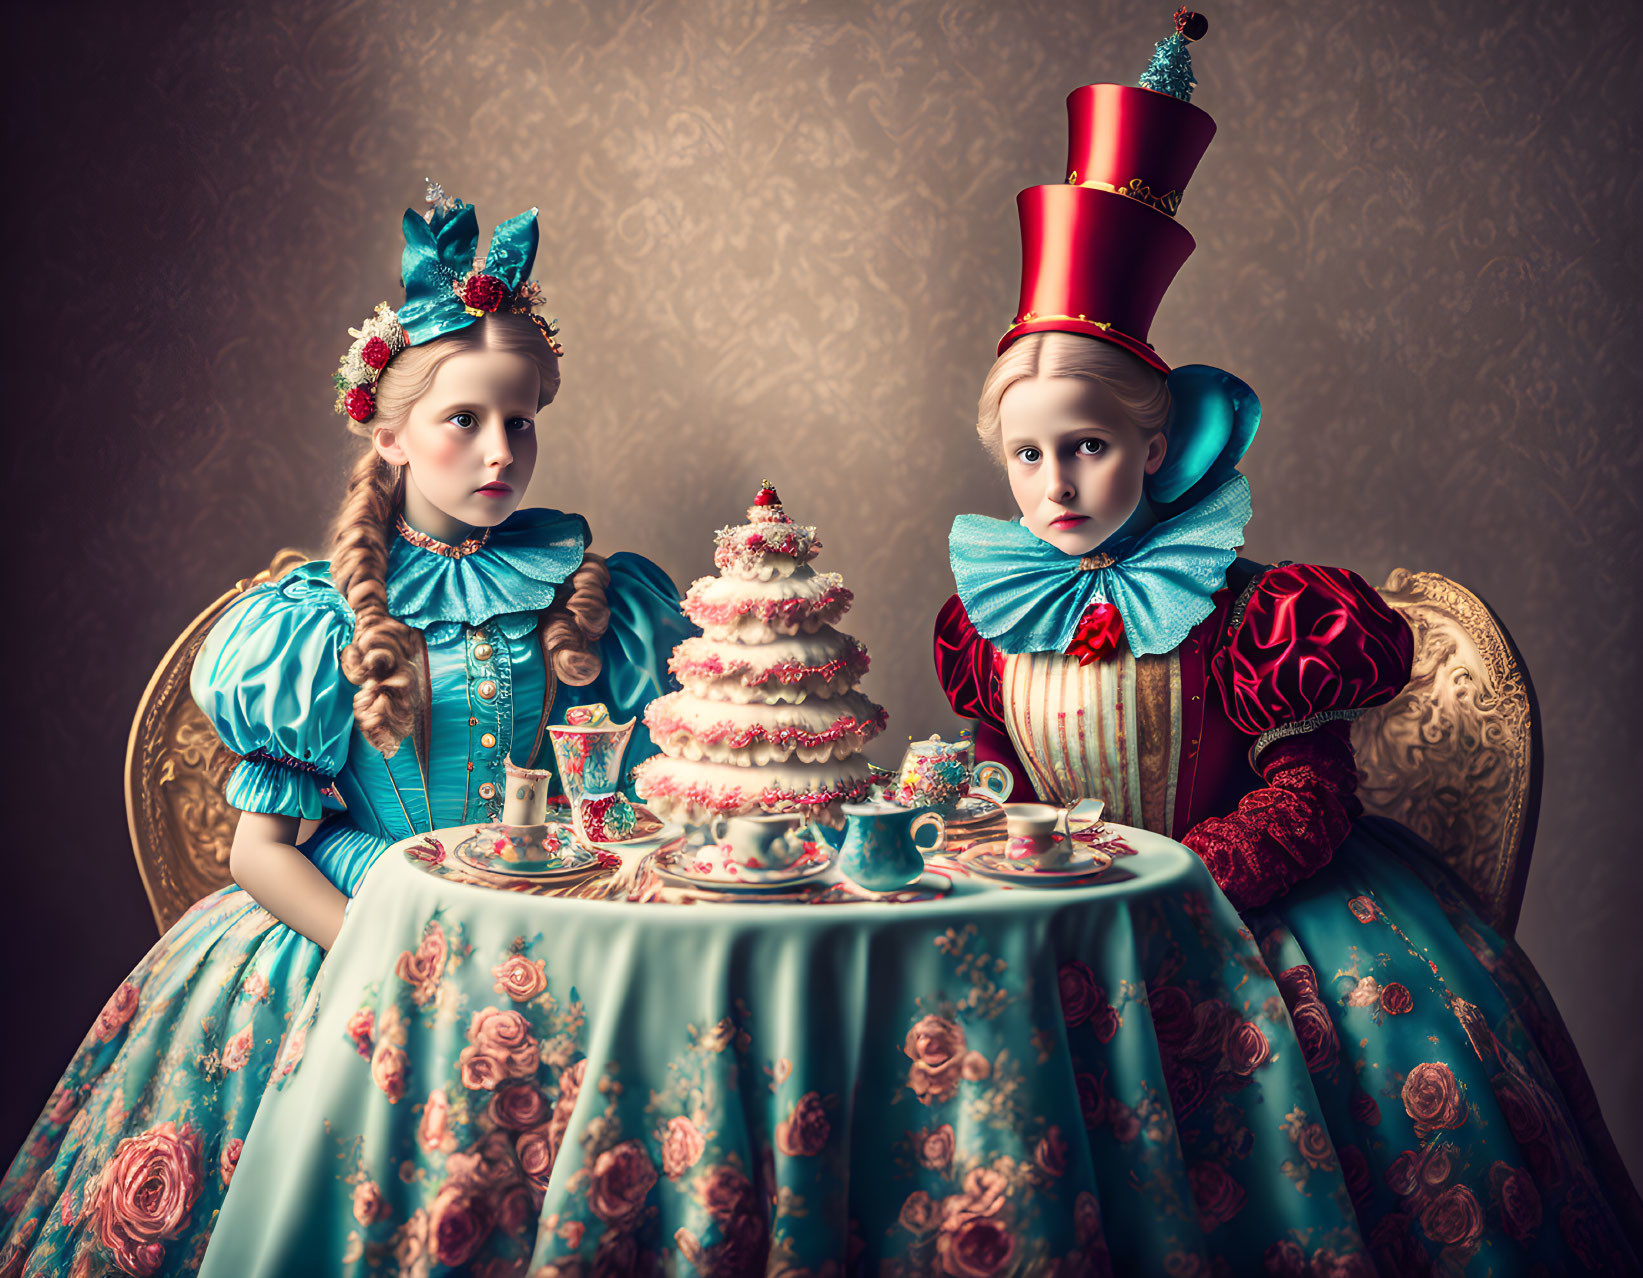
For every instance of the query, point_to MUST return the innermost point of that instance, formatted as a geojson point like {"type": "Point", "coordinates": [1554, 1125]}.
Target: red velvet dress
{"type": "Point", "coordinates": [1294, 646]}
{"type": "Point", "coordinates": [1456, 1104]}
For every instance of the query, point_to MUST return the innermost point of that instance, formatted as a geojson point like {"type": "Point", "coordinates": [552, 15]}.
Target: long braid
{"type": "Point", "coordinates": [381, 658]}
{"type": "Point", "coordinates": [576, 621]}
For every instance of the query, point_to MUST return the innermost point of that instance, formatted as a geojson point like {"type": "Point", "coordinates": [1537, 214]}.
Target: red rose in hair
{"type": "Point", "coordinates": [376, 353]}
{"type": "Point", "coordinates": [483, 292]}
{"type": "Point", "coordinates": [1100, 631]}
{"type": "Point", "coordinates": [360, 404]}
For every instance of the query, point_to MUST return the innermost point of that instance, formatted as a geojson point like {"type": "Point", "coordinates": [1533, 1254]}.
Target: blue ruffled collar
{"type": "Point", "coordinates": [1025, 595]}
{"type": "Point", "coordinates": [506, 574]}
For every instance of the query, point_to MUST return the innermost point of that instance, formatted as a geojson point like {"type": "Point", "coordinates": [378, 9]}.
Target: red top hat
{"type": "Point", "coordinates": [1099, 252]}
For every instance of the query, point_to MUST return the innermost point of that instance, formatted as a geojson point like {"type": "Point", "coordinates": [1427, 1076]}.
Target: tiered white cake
{"type": "Point", "coordinates": [769, 719]}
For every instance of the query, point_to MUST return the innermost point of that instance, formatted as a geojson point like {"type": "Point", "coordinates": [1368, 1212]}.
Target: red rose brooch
{"type": "Point", "coordinates": [1100, 631]}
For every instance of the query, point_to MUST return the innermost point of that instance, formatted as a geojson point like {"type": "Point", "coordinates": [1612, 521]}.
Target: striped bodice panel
{"type": "Point", "coordinates": [1110, 730]}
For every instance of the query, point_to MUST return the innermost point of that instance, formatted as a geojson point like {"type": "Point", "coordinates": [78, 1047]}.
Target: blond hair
{"type": "Point", "coordinates": [1139, 387]}
{"type": "Point", "coordinates": [382, 660]}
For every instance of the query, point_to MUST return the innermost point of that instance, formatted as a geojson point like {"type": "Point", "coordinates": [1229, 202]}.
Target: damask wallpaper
{"type": "Point", "coordinates": [780, 236]}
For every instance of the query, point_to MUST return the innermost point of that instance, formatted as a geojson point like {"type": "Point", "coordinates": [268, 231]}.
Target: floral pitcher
{"type": "Point", "coordinates": [588, 748]}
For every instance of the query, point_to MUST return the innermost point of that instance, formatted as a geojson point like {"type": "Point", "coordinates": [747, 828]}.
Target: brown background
{"type": "Point", "coordinates": [781, 237]}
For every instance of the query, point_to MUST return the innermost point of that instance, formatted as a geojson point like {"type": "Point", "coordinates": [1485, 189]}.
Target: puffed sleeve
{"type": "Point", "coordinates": [269, 678]}
{"type": "Point", "coordinates": [1312, 641]}
{"type": "Point", "coordinates": [968, 668]}
{"type": "Point", "coordinates": [645, 625]}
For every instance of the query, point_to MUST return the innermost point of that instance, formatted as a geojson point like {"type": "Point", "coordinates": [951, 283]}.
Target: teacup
{"type": "Point", "coordinates": [1033, 836]}
{"type": "Point", "coordinates": [767, 841]}
{"type": "Point", "coordinates": [526, 801]}
{"type": "Point", "coordinates": [881, 850]}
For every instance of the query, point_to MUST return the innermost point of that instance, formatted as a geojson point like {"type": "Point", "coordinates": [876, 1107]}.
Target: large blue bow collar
{"type": "Point", "coordinates": [1025, 595]}
{"type": "Point", "coordinates": [509, 574]}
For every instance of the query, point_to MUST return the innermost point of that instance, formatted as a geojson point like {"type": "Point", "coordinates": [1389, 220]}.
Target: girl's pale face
{"type": "Point", "coordinates": [469, 444]}
{"type": "Point", "coordinates": [1075, 460]}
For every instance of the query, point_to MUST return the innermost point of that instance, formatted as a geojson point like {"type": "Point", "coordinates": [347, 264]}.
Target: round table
{"type": "Point", "coordinates": [995, 1080]}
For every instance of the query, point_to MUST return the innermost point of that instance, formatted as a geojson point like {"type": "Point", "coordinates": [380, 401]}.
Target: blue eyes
{"type": "Point", "coordinates": [467, 422]}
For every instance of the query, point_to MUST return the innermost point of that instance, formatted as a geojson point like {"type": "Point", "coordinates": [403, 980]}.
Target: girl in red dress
{"type": "Point", "coordinates": [1111, 643]}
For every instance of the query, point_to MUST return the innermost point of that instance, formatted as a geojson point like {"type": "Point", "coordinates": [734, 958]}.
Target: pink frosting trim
{"type": "Point", "coordinates": [740, 736]}
{"type": "Point", "coordinates": [736, 547]}
{"type": "Point", "coordinates": [829, 606]}
{"type": "Point", "coordinates": [727, 799]}
{"type": "Point", "coordinates": [711, 667]}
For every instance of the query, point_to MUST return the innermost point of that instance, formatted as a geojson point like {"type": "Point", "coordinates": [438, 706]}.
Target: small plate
{"type": "Point", "coordinates": [647, 827]}
{"type": "Point", "coordinates": [651, 829]}
{"type": "Point", "coordinates": [1082, 864]}
{"type": "Point", "coordinates": [975, 808]}
{"type": "Point", "coordinates": [684, 867]}
{"type": "Point", "coordinates": [573, 857]}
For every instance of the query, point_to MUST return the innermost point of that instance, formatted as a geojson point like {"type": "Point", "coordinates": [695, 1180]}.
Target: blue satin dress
{"type": "Point", "coordinates": [126, 1167]}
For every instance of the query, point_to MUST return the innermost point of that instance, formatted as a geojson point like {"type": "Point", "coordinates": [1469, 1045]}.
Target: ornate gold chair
{"type": "Point", "coordinates": [181, 825]}
{"type": "Point", "coordinates": [1456, 756]}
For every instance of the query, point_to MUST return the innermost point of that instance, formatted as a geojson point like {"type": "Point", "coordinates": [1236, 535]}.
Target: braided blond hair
{"type": "Point", "coordinates": [383, 656]}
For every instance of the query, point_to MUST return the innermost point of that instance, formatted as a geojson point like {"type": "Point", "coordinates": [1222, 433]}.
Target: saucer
{"type": "Point", "coordinates": [1082, 864]}
{"type": "Point", "coordinates": [698, 873]}
{"type": "Point", "coordinates": [563, 855]}
{"type": "Point", "coordinates": [647, 826]}
{"type": "Point", "coordinates": [651, 829]}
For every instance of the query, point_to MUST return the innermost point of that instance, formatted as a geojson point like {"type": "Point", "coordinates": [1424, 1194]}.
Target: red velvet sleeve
{"type": "Point", "coordinates": [968, 667]}
{"type": "Point", "coordinates": [1287, 830]}
{"type": "Point", "coordinates": [1311, 639]}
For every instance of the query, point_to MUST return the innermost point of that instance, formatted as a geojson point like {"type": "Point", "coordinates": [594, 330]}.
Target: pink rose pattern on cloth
{"type": "Point", "coordinates": [152, 1161]}
{"type": "Point", "coordinates": [1227, 1078]}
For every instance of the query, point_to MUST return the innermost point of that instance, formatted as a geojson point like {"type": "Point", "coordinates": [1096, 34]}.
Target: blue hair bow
{"type": "Point", "coordinates": [1213, 420]}
{"type": "Point", "coordinates": [439, 255]}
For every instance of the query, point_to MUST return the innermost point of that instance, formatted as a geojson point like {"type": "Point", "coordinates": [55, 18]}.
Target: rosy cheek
{"type": "Point", "coordinates": [443, 448]}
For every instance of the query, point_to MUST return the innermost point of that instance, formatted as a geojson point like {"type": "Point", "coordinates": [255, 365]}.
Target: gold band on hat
{"type": "Point", "coordinates": [1032, 318]}
{"type": "Point", "coordinates": [1135, 189]}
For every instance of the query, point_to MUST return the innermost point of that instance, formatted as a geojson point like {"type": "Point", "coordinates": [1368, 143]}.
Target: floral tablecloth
{"type": "Point", "coordinates": [1081, 1080]}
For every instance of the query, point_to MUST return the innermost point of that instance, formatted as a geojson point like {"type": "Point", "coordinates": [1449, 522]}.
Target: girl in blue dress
{"type": "Point", "coordinates": [379, 693]}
